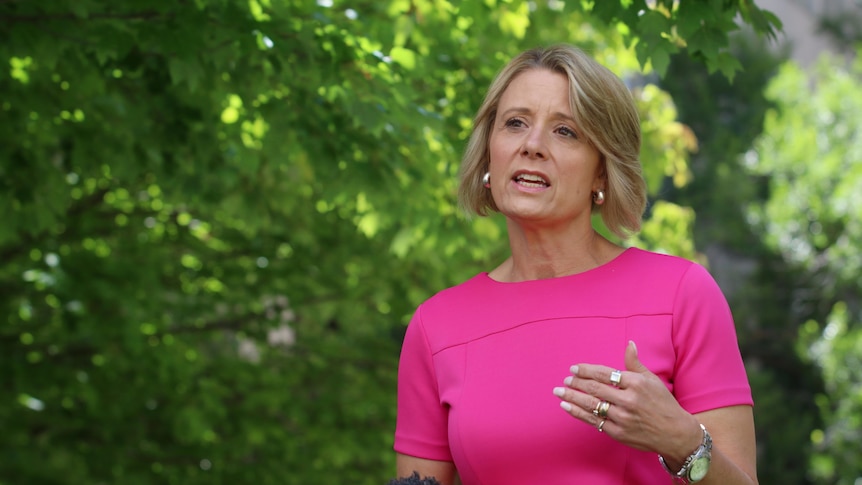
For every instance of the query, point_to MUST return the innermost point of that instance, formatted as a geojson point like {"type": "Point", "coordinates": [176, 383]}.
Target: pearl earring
{"type": "Point", "coordinates": [599, 197]}
{"type": "Point", "coordinates": [486, 180]}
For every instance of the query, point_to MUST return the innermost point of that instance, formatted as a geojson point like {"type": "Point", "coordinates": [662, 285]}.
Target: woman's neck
{"type": "Point", "coordinates": [538, 254]}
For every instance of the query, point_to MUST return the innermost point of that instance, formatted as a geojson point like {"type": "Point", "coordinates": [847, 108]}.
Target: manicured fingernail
{"type": "Point", "coordinates": [568, 380]}
{"type": "Point", "coordinates": [565, 405]}
{"type": "Point", "coordinates": [559, 391]}
{"type": "Point", "coordinates": [574, 369]}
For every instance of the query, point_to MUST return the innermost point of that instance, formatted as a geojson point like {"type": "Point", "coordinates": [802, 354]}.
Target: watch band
{"type": "Point", "coordinates": [704, 451]}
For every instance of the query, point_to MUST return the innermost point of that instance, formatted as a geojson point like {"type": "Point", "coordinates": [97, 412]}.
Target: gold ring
{"type": "Point", "coordinates": [601, 409]}
{"type": "Point", "coordinates": [600, 426]}
{"type": "Point", "coordinates": [616, 377]}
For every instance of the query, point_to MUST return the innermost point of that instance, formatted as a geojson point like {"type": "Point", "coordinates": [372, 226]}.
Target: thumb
{"type": "Point", "coordinates": [632, 362]}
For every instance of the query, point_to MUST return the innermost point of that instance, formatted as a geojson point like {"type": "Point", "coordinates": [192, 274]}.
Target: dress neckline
{"type": "Point", "coordinates": [603, 267]}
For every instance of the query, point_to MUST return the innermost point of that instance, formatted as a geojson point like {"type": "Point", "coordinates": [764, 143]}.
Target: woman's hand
{"type": "Point", "coordinates": [642, 413]}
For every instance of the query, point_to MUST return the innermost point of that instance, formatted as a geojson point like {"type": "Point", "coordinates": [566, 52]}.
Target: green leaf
{"type": "Point", "coordinates": [728, 65]}
{"type": "Point", "coordinates": [403, 56]}
{"type": "Point", "coordinates": [652, 24]}
{"type": "Point", "coordinates": [660, 60]}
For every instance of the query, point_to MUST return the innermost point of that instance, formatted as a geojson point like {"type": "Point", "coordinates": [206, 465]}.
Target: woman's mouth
{"type": "Point", "coordinates": [531, 181]}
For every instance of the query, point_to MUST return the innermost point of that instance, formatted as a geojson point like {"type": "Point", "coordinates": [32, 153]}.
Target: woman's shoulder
{"type": "Point", "coordinates": [667, 265]}
{"type": "Point", "coordinates": [656, 278]}
{"type": "Point", "coordinates": [469, 290]}
{"type": "Point", "coordinates": [455, 314]}
{"type": "Point", "coordinates": [654, 257]}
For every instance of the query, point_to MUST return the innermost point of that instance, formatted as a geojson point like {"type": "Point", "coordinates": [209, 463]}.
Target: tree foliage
{"type": "Point", "coordinates": [217, 216]}
{"type": "Point", "coordinates": [727, 118]}
{"type": "Point", "coordinates": [811, 151]}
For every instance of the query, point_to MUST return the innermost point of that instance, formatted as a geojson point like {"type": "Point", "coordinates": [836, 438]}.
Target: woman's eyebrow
{"type": "Point", "coordinates": [521, 110]}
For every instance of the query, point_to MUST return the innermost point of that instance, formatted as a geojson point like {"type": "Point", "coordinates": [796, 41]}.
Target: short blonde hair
{"type": "Point", "coordinates": [605, 113]}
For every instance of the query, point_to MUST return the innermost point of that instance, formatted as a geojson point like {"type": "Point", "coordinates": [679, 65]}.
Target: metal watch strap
{"type": "Point", "coordinates": [682, 475]}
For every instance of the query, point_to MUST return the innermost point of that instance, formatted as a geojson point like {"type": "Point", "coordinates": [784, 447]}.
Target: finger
{"type": "Point", "coordinates": [587, 417]}
{"type": "Point", "coordinates": [583, 406]}
{"type": "Point", "coordinates": [601, 409]}
{"type": "Point", "coordinates": [633, 363]}
{"type": "Point", "coordinates": [601, 426]}
{"type": "Point", "coordinates": [600, 375]}
{"type": "Point", "coordinates": [597, 420]}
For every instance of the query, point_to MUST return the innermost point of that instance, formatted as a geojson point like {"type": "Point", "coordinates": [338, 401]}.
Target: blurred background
{"type": "Point", "coordinates": [217, 217]}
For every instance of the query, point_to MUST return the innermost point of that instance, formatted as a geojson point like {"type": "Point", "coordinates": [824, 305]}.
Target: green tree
{"type": "Point", "coordinates": [811, 152]}
{"type": "Point", "coordinates": [217, 216]}
{"type": "Point", "coordinates": [727, 118]}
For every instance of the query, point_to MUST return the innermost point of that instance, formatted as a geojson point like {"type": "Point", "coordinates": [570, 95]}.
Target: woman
{"type": "Point", "coordinates": [576, 360]}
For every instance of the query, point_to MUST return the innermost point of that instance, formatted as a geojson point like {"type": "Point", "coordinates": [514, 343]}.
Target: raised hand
{"type": "Point", "coordinates": [633, 406]}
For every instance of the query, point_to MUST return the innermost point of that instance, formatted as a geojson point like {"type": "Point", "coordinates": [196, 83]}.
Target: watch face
{"type": "Point", "coordinates": [698, 469]}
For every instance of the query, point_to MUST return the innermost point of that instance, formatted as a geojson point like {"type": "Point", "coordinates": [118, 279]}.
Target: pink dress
{"type": "Point", "coordinates": [480, 360]}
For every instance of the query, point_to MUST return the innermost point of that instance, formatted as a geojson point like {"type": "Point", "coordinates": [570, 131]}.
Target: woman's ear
{"type": "Point", "coordinates": [601, 182]}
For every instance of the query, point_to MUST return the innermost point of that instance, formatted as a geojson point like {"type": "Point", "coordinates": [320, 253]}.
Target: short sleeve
{"type": "Point", "coordinates": [422, 426]}
{"type": "Point", "coordinates": [709, 371]}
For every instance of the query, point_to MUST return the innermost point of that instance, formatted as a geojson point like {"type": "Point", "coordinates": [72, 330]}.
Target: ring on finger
{"type": "Point", "coordinates": [600, 426]}
{"type": "Point", "coordinates": [616, 377]}
{"type": "Point", "coordinates": [601, 409]}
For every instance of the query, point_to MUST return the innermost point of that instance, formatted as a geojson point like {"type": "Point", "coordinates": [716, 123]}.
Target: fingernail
{"type": "Point", "coordinates": [559, 391]}
{"type": "Point", "coordinates": [568, 380]}
{"type": "Point", "coordinates": [574, 369]}
{"type": "Point", "coordinates": [633, 344]}
{"type": "Point", "coordinates": [565, 405]}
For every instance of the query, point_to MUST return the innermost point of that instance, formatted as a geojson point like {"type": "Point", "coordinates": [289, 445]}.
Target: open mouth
{"type": "Point", "coordinates": [531, 181]}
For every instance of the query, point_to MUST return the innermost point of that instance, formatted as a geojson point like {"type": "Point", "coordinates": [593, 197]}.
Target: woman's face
{"type": "Point", "coordinates": [543, 170]}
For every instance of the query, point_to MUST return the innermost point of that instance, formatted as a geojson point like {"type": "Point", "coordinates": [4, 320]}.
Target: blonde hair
{"type": "Point", "coordinates": [604, 111]}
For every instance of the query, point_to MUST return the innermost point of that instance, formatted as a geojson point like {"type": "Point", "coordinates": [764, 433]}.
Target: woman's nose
{"type": "Point", "coordinates": [534, 145]}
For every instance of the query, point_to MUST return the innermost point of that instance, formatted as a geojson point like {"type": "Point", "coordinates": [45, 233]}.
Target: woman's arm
{"type": "Point", "coordinates": [443, 471]}
{"type": "Point", "coordinates": [734, 454]}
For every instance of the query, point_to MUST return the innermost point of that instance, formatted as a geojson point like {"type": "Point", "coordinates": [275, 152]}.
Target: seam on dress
{"type": "Point", "coordinates": [530, 322]}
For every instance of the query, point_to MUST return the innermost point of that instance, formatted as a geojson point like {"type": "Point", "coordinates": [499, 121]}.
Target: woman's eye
{"type": "Point", "coordinates": [514, 123]}
{"type": "Point", "coordinates": [566, 131]}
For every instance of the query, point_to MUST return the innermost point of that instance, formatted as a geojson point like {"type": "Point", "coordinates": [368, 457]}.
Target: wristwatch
{"type": "Point", "coordinates": [696, 465]}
